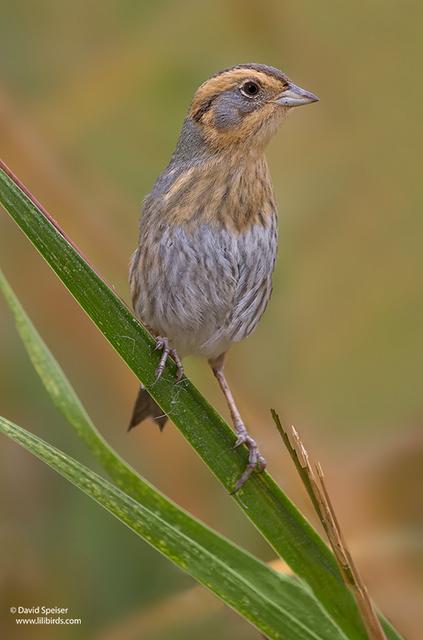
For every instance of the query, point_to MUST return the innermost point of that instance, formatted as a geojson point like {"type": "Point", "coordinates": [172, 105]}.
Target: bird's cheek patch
{"type": "Point", "coordinates": [226, 113]}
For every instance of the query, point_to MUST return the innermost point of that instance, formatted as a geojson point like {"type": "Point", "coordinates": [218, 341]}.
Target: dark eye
{"type": "Point", "coordinates": [250, 89]}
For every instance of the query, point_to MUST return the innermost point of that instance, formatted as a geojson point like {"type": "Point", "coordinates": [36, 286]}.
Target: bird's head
{"type": "Point", "coordinates": [244, 105]}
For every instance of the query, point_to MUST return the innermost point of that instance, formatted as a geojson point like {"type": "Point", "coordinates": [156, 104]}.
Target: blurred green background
{"type": "Point", "coordinates": [92, 98]}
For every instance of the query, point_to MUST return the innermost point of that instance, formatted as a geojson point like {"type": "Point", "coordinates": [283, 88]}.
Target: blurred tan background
{"type": "Point", "coordinates": [92, 98]}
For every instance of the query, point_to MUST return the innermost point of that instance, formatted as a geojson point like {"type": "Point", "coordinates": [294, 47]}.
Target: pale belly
{"type": "Point", "coordinates": [204, 289]}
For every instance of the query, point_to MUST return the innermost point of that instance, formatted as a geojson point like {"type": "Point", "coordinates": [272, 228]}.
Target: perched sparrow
{"type": "Point", "coordinates": [201, 276]}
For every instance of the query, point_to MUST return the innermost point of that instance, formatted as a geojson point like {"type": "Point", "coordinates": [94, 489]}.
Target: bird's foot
{"type": "Point", "coordinates": [256, 462]}
{"type": "Point", "coordinates": [163, 345]}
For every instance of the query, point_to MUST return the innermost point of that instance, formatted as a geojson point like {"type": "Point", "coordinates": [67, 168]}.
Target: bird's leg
{"type": "Point", "coordinates": [180, 367]}
{"type": "Point", "coordinates": [163, 344]}
{"type": "Point", "coordinates": [255, 459]}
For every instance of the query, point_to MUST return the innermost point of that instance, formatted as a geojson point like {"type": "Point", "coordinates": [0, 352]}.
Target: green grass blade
{"type": "Point", "coordinates": [65, 398]}
{"type": "Point", "coordinates": [277, 605]}
{"type": "Point", "coordinates": [263, 502]}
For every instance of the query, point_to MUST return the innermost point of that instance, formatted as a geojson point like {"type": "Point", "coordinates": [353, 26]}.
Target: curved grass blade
{"type": "Point", "coordinates": [261, 499]}
{"type": "Point", "coordinates": [279, 606]}
{"type": "Point", "coordinates": [66, 400]}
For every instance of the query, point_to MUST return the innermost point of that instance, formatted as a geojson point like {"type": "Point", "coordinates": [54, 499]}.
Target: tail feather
{"type": "Point", "coordinates": [145, 407]}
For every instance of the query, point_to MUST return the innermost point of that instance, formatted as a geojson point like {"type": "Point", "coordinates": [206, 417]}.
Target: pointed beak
{"type": "Point", "coordinates": [294, 96]}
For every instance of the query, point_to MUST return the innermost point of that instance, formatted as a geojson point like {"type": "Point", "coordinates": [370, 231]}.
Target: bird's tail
{"type": "Point", "coordinates": [145, 407]}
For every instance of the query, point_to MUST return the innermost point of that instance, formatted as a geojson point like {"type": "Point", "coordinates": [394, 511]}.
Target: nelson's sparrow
{"type": "Point", "coordinates": [201, 275]}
